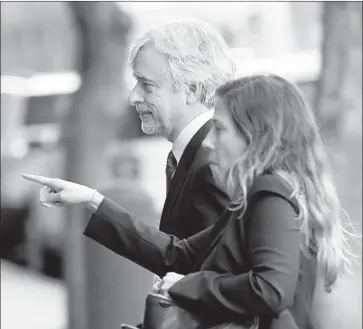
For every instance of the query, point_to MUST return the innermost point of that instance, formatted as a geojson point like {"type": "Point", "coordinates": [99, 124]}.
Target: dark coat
{"type": "Point", "coordinates": [253, 268]}
{"type": "Point", "coordinates": [194, 201]}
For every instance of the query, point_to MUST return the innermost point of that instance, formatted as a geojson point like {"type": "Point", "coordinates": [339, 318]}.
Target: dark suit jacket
{"type": "Point", "coordinates": [253, 268]}
{"type": "Point", "coordinates": [194, 201]}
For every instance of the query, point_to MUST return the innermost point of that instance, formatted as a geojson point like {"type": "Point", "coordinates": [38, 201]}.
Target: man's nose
{"type": "Point", "coordinates": [135, 97]}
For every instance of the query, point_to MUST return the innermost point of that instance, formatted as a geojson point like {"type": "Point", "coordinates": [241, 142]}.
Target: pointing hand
{"type": "Point", "coordinates": [60, 192]}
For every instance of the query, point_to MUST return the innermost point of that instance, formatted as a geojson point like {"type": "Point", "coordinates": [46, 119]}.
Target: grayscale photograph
{"type": "Point", "coordinates": [181, 165]}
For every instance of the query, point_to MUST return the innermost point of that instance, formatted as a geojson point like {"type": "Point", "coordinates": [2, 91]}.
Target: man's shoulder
{"type": "Point", "coordinates": [200, 171]}
{"type": "Point", "coordinates": [201, 158]}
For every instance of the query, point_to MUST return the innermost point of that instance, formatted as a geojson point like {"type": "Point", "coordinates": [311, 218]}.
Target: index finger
{"type": "Point", "coordinates": [46, 181]}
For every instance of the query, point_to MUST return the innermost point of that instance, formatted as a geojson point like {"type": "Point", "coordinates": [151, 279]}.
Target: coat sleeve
{"type": "Point", "coordinates": [273, 250]}
{"type": "Point", "coordinates": [114, 228]}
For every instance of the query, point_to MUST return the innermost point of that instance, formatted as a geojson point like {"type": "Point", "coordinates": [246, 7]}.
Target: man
{"type": "Point", "coordinates": [177, 68]}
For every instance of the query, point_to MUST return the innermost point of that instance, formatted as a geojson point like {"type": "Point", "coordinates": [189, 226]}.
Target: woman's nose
{"type": "Point", "coordinates": [208, 142]}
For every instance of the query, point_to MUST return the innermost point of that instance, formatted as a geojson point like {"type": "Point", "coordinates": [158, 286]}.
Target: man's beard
{"type": "Point", "coordinates": [148, 123]}
{"type": "Point", "coordinates": [147, 128]}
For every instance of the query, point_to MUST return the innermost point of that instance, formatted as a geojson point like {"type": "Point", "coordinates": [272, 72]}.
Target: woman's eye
{"type": "Point", "coordinates": [217, 129]}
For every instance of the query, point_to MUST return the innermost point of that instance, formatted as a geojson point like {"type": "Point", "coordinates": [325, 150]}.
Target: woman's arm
{"type": "Point", "coordinates": [273, 245]}
{"type": "Point", "coordinates": [113, 227]}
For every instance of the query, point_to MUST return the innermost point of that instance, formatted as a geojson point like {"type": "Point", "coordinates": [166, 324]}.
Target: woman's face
{"type": "Point", "coordinates": [228, 142]}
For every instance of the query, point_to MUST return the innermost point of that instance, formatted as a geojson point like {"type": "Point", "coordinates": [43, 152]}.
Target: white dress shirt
{"type": "Point", "coordinates": [185, 136]}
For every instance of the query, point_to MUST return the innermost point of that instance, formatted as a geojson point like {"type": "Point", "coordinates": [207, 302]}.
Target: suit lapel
{"type": "Point", "coordinates": [181, 173]}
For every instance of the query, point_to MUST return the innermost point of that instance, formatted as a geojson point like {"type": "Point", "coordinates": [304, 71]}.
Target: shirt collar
{"type": "Point", "coordinates": [185, 136]}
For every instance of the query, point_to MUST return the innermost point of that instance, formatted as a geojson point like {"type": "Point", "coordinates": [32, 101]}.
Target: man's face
{"type": "Point", "coordinates": [154, 95]}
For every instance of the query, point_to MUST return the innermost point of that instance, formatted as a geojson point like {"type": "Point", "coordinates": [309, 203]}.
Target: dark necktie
{"type": "Point", "coordinates": [170, 169]}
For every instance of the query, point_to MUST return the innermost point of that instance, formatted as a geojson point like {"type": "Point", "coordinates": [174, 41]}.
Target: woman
{"type": "Point", "coordinates": [283, 225]}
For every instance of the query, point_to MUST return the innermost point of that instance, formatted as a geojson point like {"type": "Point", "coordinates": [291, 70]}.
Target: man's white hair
{"type": "Point", "coordinates": [197, 55]}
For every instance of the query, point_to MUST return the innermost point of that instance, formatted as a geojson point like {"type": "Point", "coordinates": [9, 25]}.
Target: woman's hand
{"type": "Point", "coordinates": [59, 192]}
{"type": "Point", "coordinates": [167, 281]}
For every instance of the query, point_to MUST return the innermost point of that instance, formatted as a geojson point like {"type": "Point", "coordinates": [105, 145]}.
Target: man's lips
{"type": "Point", "coordinates": [143, 112]}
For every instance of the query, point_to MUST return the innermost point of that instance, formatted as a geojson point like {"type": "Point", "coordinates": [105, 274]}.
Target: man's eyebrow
{"type": "Point", "coordinates": [139, 77]}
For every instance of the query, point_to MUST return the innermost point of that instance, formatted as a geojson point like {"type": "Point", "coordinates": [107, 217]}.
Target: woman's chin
{"type": "Point", "coordinates": [218, 174]}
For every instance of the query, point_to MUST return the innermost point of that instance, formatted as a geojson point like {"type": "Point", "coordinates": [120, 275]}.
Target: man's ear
{"type": "Point", "coordinates": [192, 94]}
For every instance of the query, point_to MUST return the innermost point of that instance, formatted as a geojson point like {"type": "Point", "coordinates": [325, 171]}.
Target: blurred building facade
{"type": "Point", "coordinates": [38, 77]}
{"type": "Point", "coordinates": [269, 28]}
{"type": "Point", "coordinates": [31, 45]}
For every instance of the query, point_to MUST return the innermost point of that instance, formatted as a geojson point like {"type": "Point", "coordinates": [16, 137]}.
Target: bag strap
{"type": "Point", "coordinates": [213, 237]}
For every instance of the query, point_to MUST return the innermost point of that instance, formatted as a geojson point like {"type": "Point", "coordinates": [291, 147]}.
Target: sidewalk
{"type": "Point", "coordinates": [30, 300]}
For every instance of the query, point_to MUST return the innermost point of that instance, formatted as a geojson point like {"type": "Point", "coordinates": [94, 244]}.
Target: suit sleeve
{"type": "Point", "coordinates": [114, 228]}
{"type": "Point", "coordinates": [273, 249]}
{"type": "Point", "coordinates": [208, 199]}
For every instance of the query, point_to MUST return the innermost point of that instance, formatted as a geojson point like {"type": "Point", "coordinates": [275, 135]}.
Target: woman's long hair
{"type": "Point", "coordinates": [283, 138]}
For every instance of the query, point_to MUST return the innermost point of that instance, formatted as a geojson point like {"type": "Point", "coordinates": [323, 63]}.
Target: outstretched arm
{"type": "Point", "coordinates": [113, 227]}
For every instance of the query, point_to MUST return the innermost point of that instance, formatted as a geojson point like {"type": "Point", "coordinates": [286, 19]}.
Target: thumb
{"type": "Point", "coordinates": [54, 197]}
{"type": "Point", "coordinates": [49, 197]}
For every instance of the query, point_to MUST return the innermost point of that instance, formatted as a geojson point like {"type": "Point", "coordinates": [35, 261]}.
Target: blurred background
{"type": "Point", "coordinates": [64, 113]}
